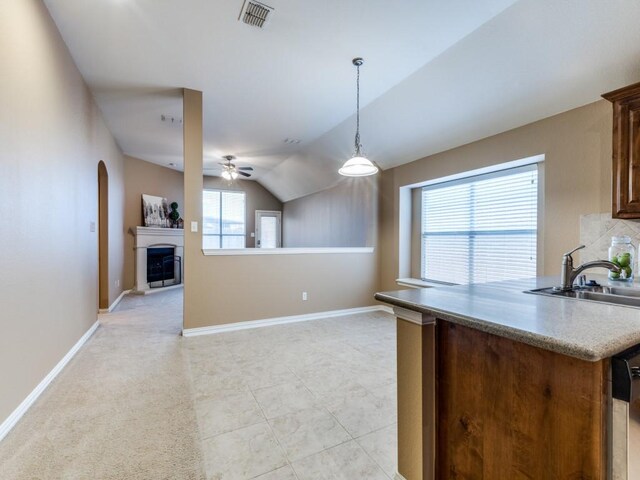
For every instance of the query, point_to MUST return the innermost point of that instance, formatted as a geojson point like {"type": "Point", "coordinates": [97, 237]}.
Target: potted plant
{"type": "Point", "coordinates": [174, 215]}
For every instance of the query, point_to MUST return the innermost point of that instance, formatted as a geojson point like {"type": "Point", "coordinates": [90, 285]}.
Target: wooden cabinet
{"type": "Point", "coordinates": [626, 151]}
{"type": "Point", "coordinates": [510, 411]}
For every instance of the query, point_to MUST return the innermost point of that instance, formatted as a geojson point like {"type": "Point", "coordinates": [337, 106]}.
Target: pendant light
{"type": "Point", "coordinates": [358, 165]}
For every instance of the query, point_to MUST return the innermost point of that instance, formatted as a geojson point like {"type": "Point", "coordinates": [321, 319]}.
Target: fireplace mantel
{"type": "Point", "coordinates": [149, 237]}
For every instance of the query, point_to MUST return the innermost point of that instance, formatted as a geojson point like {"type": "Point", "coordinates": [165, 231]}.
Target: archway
{"type": "Point", "coordinates": [103, 236]}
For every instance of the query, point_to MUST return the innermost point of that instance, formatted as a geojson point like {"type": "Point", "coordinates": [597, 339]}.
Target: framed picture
{"type": "Point", "coordinates": [155, 211]}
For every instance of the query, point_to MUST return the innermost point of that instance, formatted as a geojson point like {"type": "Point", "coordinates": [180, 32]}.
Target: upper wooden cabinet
{"type": "Point", "coordinates": [626, 151]}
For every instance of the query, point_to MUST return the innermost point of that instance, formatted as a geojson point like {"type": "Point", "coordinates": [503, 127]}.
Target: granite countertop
{"type": "Point", "coordinates": [577, 328]}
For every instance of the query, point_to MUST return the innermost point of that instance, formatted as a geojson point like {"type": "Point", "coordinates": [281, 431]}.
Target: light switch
{"type": "Point", "coordinates": [253, 234]}
{"type": "Point", "coordinates": [194, 227]}
{"type": "Point", "coordinates": [92, 226]}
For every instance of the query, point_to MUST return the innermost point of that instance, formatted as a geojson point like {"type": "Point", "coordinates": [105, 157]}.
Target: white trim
{"type": "Point", "coordinates": [277, 214]}
{"type": "Point", "coordinates": [17, 414]}
{"type": "Point", "coordinates": [404, 232]}
{"type": "Point", "coordinates": [151, 291]}
{"type": "Point", "coordinates": [413, 316]}
{"type": "Point", "coordinates": [399, 477]}
{"type": "Point", "coordinates": [417, 283]}
{"type": "Point", "coordinates": [115, 302]}
{"type": "Point", "coordinates": [283, 251]}
{"type": "Point", "coordinates": [268, 322]}
{"type": "Point", "coordinates": [158, 231]}
{"type": "Point", "coordinates": [481, 171]}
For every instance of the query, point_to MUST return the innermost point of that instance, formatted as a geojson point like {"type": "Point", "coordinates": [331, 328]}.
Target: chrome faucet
{"type": "Point", "coordinates": [569, 274]}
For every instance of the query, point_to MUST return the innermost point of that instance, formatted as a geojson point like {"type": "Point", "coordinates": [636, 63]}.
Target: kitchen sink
{"type": "Point", "coordinates": [629, 297]}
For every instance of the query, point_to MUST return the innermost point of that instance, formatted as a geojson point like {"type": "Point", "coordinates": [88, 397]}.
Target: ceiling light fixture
{"type": "Point", "coordinates": [358, 165]}
{"type": "Point", "coordinates": [229, 174]}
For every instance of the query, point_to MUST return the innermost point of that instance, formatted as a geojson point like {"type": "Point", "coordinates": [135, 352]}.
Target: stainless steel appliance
{"type": "Point", "coordinates": [625, 434]}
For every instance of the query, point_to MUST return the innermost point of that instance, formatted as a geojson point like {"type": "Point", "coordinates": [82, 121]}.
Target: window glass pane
{"type": "Point", "coordinates": [210, 213]}
{"type": "Point", "coordinates": [210, 241]}
{"type": "Point", "coordinates": [233, 213]}
{"type": "Point", "coordinates": [229, 241]}
{"type": "Point", "coordinates": [223, 213]}
{"type": "Point", "coordinates": [481, 229]}
{"type": "Point", "coordinates": [268, 232]}
{"type": "Point", "coordinates": [447, 258]}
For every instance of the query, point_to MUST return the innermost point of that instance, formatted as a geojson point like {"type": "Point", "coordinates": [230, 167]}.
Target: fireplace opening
{"type": "Point", "coordinates": [162, 266]}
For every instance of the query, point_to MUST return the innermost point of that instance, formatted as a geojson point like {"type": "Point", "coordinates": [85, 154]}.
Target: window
{"type": "Point", "coordinates": [223, 219]}
{"type": "Point", "coordinates": [482, 228]}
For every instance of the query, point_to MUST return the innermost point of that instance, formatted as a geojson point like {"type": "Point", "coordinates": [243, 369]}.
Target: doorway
{"type": "Point", "coordinates": [268, 229]}
{"type": "Point", "coordinates": [103, 236]}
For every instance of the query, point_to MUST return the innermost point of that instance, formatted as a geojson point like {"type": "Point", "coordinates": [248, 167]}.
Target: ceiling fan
{"type": "Point", "coordinates": [230, 171]}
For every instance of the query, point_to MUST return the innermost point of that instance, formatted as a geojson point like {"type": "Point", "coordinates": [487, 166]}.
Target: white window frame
{"type": "Point", "coordinates": [244, 216]}
{"type": "Point", "coordinates": [404, 214]}
{"type": "Point", "coordinates": [470, 178]}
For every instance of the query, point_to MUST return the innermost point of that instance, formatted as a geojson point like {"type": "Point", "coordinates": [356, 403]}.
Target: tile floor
{"type": "Point", "coordinates": [304, 401]}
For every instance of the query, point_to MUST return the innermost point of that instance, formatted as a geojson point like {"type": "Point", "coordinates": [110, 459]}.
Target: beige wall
{"type": "Point", "coordinates": [52, 137]}
{"type": "Point", "coordinates": [257, 198]}
{"type": "Point", "coordinates": [343, 216]}
{"type": "Point", "coordinates": [228, 289]}
{"type": "Point", "coordinates": [577, 178]}
{"type": "Point", "coordinates": [145, 177]}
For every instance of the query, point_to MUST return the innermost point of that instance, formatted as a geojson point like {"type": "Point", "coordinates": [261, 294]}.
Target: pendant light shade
{"type": "Point", "coordinates": [358, 165]}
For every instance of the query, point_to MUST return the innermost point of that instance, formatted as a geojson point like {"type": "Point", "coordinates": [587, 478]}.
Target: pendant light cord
{"type": "Point", "coordinates": [357, 140]}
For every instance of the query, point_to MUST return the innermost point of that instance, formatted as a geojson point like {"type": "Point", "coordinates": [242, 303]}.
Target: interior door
{"type": "Point", "coordinates": [268, 229]}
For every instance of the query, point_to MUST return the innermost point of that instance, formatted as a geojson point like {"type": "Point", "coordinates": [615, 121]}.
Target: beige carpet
{"type": "Point", "coordinates": [122, 409]}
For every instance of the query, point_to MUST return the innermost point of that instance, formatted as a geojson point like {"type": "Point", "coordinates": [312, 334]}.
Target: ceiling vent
{"type": "Point", "coordinates": [255, 13]}
{"type": "Point", "coordinates": [171, 119]}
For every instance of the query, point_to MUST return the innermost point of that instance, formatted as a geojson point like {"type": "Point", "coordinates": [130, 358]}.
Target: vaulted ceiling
{"type": "Point", "coordinates": [437, 74]}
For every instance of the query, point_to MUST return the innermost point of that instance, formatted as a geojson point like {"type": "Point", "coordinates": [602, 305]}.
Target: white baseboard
{"type": "Point", "coordinates": [385, 308]}
{"type": "Point", "coordinates": [152, 291]}
{"type": "Point", "coordinates": [115, 302]}
{"type": "Point", "coordinates": [17, 414]}
{"type": "Point", "coordinates": [268, 322]}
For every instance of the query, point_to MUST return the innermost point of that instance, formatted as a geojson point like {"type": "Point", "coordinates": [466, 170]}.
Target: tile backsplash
{"type": "Point", "coordinates": [596, 231]}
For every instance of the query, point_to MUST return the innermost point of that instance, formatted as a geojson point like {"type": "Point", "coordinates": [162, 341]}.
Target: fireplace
{"type": "Point", "coordinates": [161, 266]}
{"type": "Point", "coordinates": [159, 253]}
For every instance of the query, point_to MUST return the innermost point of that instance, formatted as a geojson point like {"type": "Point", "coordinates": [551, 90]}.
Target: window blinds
{"type": "Point", "coordinates": [223, 219]}
{"type": "Point", "coordinates": [481, 229]}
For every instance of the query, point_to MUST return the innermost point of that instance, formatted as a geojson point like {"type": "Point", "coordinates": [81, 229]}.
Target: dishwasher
{"type": "Point", "coordinates": [625, 417]}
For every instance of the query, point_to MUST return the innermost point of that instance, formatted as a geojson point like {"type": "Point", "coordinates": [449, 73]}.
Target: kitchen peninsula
{"type": "Point", "coordinates": [495, 383]}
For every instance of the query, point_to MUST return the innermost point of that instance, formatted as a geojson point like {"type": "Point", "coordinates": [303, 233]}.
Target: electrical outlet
{"type": "Point", "coordinates": [117, 282]}
{"type": "Point", "coordinates": [92, 226]}
{"type": "Point", "coordinates": [304, 296]}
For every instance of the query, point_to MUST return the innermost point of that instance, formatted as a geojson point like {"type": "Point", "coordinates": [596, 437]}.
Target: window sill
{"type": "Point", "coordinates": [417, 283]}
{"type": "Point", "coordinates": [282, 251]}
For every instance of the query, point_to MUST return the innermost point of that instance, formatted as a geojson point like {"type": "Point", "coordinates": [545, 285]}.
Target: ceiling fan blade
{"type": "Point", "coordinates": [244, 174]}
{"type": "Point", "coordinates": [246, 168]}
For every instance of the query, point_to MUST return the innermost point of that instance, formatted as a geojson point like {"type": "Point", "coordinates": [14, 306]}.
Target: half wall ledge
{"type": "Point", "coordinates": [284, 251]}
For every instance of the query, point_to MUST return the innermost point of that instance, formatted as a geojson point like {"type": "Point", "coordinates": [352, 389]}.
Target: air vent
{"type": "Point", "coordinates": [255, 13]}
{"type": "Point", "coordinates": [171, 119]}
